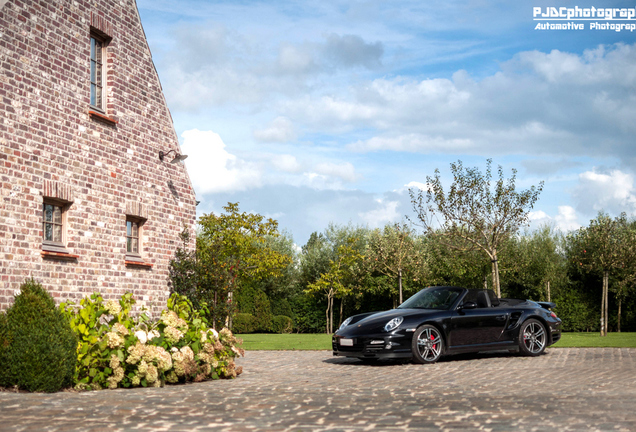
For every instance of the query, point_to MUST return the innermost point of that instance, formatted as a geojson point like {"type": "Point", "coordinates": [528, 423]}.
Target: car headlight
{"type": "Point", "coordinates": [345, 323]}
{"type": "Point", "coordinates": [393, 324]}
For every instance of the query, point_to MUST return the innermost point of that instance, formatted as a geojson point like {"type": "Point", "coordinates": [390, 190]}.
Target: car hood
{"type": "Point", "coordinates": [375, 322]}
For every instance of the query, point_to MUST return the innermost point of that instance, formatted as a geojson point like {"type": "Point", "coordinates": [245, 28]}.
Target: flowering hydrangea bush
{"type": "Point", "coordinates": [119, 349]}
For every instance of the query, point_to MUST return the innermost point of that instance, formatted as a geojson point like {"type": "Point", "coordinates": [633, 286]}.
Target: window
{"type": "Point", "coordinates": [133, 239]}
{"type": "Point", "coordinates": [54, 226]}
{"type": "Point", "coordinates": [98, 48]}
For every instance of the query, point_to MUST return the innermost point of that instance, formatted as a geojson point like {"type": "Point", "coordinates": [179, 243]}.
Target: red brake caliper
{"type": "Point", "coordinates": [433, 338]}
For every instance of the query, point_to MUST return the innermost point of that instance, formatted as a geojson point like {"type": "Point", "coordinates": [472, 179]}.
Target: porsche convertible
{"type": "Point", "coordinates": [446, 320]}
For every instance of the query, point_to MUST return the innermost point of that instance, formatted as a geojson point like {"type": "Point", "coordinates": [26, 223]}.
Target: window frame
{"type": "Point", "coordinates": [135, 256]}
{"type": "Point", "coordinates": [95, 81]}
{"type": "Point", "coordinates": [52, 245]}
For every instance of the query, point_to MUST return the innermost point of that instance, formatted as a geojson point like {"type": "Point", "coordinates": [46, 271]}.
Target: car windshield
{"type": "Point", "coordinates": [432, 298]}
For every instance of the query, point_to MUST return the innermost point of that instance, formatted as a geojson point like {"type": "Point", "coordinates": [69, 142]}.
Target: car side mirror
{"type": "Point", "coordinates": [469, 305]}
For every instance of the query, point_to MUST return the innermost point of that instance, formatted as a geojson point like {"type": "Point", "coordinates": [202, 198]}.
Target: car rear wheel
{"type": "Point", "coordinates": [532, 338]}
{"type": "Point", "coordinates": [427, 345]}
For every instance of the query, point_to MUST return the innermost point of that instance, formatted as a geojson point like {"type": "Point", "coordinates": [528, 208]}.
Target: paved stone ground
{"type": "Point", "coordinates": [564, 390]}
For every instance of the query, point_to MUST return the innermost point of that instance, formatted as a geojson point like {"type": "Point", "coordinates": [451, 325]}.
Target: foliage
{"type": "Point", "coordinates": [243, 323]}
{"type": "Point", "coordinates": [232, 247]}
{"type": "Point", "coordinates": [607, 247]}
{"type": "Point", "coordinates": [184, 270]}
{"type": "Point", "coordinates": [475, 214]}
{"type": "Point", "coordinates": [534, 266]}
{"type": "Point", "coordinates": [118, 349]}
{"type": "Point", "coordinates": [393, 252]}
{"type": "Point", "coordinates": [282, 324]}
{"type": "Point", "coordinates": [38, 346]}
{"type": "Point", "coordinates": [255, 302]}
{"type": "Point", "coordinates": [341, 278]}
{"type": "Point", "coordinates": [309, 315]}
{"type": "Point", "coordinates": [573, 307]}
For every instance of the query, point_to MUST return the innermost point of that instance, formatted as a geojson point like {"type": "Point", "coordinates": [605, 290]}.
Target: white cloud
{"type": "Point", "coordinates": [286, 163]}
{"type": "Point", "coordinates": [612, 191]}
{"type": "Point", "coordinates": [539, 104]}
{"type": "Point", "coordinates": [416, 185]}
{"type": "Point", "coordinates": [294, 59]}
{"type": "Point", "coordinates": [212, 169]}
{"type": "Point", "coordinates": [566, 219]}
{"type": "Point", "coordinates": [344, 171]}
{"type": "Point", "coordinates": [280, 130]}
{"type": "Point", "coordinates": [351, 50]}
{"type": "Point", "coordinates": [387, 212]}
{"type": "Point", "coordinates": [412, 143]}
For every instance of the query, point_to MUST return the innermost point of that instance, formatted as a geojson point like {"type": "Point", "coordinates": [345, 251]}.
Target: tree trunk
{"type": "Point", "coordinates": [485, 282]}
{"type": "Point", "coordinates": [495, 277]}
{"type": "Point", "coordinates": [214, 313]}
{"type": "Point", "coordinates": [331, 316]}
{"type": "Point", "coordinates": [548, 290]}
{"type": "Point", "coordinates": [603, 300]}
{"type": "Point", "coordinates": [341, 308]}
{"type": "Point", "coordinates": [603, 309]}
{"type": "Point", "coordinates": [228, 318]}
{"type": "Point", "coordinates": [619, 314]}
{"type": "Point", "coordinates": [400, 283]}
{"type": "Point", "coordinates": [327, 312]}
{"type": "Point", "coordinates": [606, 281]}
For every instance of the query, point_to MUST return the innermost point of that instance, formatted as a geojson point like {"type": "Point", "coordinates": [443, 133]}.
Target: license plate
{"type": "Point", "coordinates": [346, 342]}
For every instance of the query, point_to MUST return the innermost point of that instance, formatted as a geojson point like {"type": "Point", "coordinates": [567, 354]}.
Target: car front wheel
{"type": "Point", "coordinates": [427, 345]}
{"type": "Point", "coordinates": [532, 338]}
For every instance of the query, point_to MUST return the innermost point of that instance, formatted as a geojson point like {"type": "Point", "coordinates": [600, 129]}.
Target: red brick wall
{"type": "Point", "coordinates": [48, 141]}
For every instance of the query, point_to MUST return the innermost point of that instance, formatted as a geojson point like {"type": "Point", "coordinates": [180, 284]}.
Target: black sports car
{"type": "Point", "coordinates": [449, 320]}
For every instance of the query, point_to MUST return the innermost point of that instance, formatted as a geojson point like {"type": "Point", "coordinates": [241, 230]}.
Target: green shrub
{"type": "Point", "coordinates": [282, 324]}
{"type": "Point", "coordinates": [118, 349]}
{"type": "Point", "coordinates": [39, 352]}
{"type": "Point", "coordinates": [243, 323]}
{"type": "Point", "coordinates": [262, 313]}
{"type": "Point", "coordinates": [4, 344]}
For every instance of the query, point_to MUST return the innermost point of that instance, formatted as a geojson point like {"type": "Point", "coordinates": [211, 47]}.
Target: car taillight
{"type": "Point", "coordinates": [552, 314]}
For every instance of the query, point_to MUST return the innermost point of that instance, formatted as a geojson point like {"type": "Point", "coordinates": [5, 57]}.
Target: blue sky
{"type": "Point", "coordinates": [319, 112]}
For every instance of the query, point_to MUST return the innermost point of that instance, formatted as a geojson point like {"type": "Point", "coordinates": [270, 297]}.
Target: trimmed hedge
{"type": "Point", "coordinates": [282, 324]}
{"type": "Point", "coordinates": [243, 323]}
{"type": "Point", "coordinates": [39, 348]}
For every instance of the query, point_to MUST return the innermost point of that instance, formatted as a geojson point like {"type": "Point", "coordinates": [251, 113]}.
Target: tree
{"type": "Point", "coordinates": [230, 248]}
{"type": "Point", "coordinates": [183, 270]}
{"type": "Point", "coordinates": [475, 214]}
{"type": "Point", "coordinates": [393, 252]}
{"type": "Point", "coordinates": [607, 246]}
{"type": "Point", "coordinates": [534, 264]}
{"type": "Point", "coordinates": [340, 279]}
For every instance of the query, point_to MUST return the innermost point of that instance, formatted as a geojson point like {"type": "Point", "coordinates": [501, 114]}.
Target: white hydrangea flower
{"type": "Point", "coordinates": [113, 307]}
{"type": "Point", "coordinates": [141, 335]}
{"type": "Point", "coordinates": [153, 334]}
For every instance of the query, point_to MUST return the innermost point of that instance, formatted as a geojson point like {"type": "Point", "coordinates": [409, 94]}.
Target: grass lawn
{"type": "Point", "coordinates": [322, 341]}
{"type": "Point", "coordinates": [258, 341]}
{"type": "Point", "coordinates": [593, 340]}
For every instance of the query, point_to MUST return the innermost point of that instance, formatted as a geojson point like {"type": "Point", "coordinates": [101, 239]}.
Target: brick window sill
{"type": "Point", "coordinates": [59, 255]}
{"type": "Point", "coordinates": [138, 264]}
{"type": "Point", "coordinates": [102, 117]}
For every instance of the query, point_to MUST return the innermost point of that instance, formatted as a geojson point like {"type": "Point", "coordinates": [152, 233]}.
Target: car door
{"type": "Point", "coordinates": [482, 325]}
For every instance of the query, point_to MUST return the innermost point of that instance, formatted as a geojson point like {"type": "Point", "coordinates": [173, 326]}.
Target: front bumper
{"type": "Point", "coordinates": [375, 346]}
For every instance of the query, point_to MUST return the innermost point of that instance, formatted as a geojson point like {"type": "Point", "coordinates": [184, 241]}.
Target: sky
{"type": "Point", "coordinates": [324, 112]}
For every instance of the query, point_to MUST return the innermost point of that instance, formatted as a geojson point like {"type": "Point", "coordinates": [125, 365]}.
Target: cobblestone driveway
{"type": "Point", "coordinates": [566, 389]}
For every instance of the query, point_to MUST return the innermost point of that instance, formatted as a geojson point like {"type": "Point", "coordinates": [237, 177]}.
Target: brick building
{"type": "Point", "coordinates": [90, 199]}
